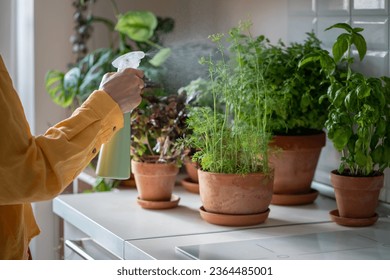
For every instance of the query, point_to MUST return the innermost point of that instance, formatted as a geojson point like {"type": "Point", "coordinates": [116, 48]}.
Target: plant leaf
{"type": "Point", "coordinates": [341, 25]}
{"type": "Point", "coordinates": [340, 46]}
{"type": "Point", "coordinates": [360, 44]}
{"type": "Point", "coordinates": [54, 82]}
{"type": "Point", "coordinates": [160, 57]}
{"type": "Point", "coordinates": [340, 138]}
{"type": "Point", "coordinates": [137, 25]}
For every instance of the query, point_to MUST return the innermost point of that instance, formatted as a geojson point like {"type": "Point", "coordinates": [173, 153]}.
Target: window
{"type": "Point", "coordinates": [17, 49]}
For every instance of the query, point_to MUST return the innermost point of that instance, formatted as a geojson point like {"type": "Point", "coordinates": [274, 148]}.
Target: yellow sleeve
{"type": "Point", "coordinates": [39, 168]}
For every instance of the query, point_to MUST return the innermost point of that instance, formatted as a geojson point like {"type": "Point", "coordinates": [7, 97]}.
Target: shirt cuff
{"type": "Point", "coordinates": [108, 110]}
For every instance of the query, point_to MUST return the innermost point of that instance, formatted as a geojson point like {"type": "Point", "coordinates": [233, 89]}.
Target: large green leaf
{"type": "Point", "coordinates": [340, 46]}
{"type": "Point", "coordinates": [341, 25]}
{"type": "Point", "coordinates": [360, 44]}
{"type": "Point", "coordinates": [54, 82]}
{"type": "Point", "coordinates": [160, 57]}
{"type": "Point", "coordinates": [137, 25]}
{"type": "Point", "coordinates": [340, 138]}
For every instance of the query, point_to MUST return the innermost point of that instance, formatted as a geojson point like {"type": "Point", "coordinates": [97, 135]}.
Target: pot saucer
{"type": "Point", "coordinates": [190, 185]}
{"type": "Point", "coordinates": [352, 222]}
{"type": "Point", "coordinates": [148, 204]}
{"type": "Point", "coordinates": [294, 199]}
{"type": "Point", "coordinates": [233, 220]}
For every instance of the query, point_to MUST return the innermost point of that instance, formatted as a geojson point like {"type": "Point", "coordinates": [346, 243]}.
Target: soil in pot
{"type": "Point", "coordinates": [295, 160]}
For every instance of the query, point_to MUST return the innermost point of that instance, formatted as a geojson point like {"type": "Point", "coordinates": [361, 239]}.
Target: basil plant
{"type": "Point", "coordinates": [358, 120]}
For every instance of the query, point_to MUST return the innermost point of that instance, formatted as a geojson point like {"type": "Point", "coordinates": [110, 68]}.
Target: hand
{"type": "Point", "coordinates": [125, 87]}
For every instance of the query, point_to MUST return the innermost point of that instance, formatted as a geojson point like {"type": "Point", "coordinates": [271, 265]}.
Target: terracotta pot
{"type": "Point", "coordinates": [129, 183]}
{"type": "Point", "coordinates": [192, 171]}
{"type": "Point", "coordinates": [295, 162]}
{"type": "Point", "coordinates": [154, 181]}
{"type": "Point", "coordinates": [356, 197]}
{"type": "Point", "coordinates": [234, 193]}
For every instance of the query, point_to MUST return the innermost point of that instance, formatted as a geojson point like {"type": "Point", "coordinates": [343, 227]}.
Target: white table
{"type": "Point", "coordinates": [116, 223]}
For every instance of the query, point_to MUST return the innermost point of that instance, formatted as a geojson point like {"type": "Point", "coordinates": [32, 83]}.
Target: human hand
{"type": "Point", "coordinates": [125, 87]}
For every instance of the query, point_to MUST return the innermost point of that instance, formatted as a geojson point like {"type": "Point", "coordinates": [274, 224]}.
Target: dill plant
{"type": "Point", "coordinates": [234, 139]}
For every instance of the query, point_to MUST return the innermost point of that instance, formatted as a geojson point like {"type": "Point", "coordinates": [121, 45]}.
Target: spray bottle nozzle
{"type": "Point", "coordinates": [128, 60]}
{"type": "Point", "coordinates": [132, 60]}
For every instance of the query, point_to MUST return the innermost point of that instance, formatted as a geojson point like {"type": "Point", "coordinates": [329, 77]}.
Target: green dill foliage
{"type": "Point", "coordinates": [358, 121]}
{"type": "Point", "coordinates": [235, 139]}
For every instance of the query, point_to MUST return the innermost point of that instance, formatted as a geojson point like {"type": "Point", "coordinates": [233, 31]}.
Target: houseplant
{"type": "Point", "coordinates": [134, 30]}
{"type": "Point", "coordinates": [296, 118]}
{"type": "Point", "coordinates": [235, 181]}
{"type": "Point", "coordinates": [358, 125]}
{"type": "Point", "coordinates": [197, 96]}
{"type": "Point", "coordinates": [156, 155]}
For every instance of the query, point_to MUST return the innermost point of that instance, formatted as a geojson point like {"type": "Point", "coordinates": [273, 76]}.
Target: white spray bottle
{"type": "Point", "coordinates": [114, 156]}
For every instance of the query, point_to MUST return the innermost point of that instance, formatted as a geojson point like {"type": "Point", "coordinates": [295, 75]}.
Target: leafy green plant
{"type": "Point", "coordinates": [157, 125]}
{"type": "Point", "coordinates": [358, 121]}
{"type": "Point", "coordinates": [293, 93]}
{"type": "Point", "coordinates": [137, 30]}
{"type": "Point", "coordinates": [236, 139]}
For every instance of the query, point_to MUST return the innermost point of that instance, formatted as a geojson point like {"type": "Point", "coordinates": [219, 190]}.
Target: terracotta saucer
{"type": "Point", "coordinates": [294, 199]}
{"type": "Point", "coordinates": [190, 185]}
{"type": "Point", "coordinates": [352, 222]}
{"type": "Point", "coordinates": [233, 220]}
{"type": "Point", "coordinates": [147, 204]}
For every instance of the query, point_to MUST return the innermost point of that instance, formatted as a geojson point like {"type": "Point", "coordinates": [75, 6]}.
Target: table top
{"type": "Point", "coordinates": [116, 221]}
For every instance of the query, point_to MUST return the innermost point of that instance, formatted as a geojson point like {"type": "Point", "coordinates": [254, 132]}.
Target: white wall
{"type": "Point", "coordinates": [196, 19]}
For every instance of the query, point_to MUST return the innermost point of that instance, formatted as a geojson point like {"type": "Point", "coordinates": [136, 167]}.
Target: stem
{"type": "Point", "coordinates": [213, 145]}
{"type": "Point", "coordinates": [115, 7]}
{"type": "Point", "coordinates": [224, 91]}
{"type": "Point", "coordinates": [153, 44]}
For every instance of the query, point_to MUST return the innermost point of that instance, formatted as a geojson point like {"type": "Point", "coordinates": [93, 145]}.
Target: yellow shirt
{"type": "Point", "coordinates": [39, 168]}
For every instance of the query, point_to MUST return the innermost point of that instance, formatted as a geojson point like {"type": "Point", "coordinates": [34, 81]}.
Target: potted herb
{"type": "Point", "coordinates": [156, 155]}
{"type": "Point", "coordinates": [235, 181]}
{"type": "Point", "coordinates": [296, 118]}
{"type": "Point", "coordinates": [358, 125]}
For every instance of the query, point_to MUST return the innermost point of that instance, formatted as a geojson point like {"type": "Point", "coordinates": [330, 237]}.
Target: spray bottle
{"type": "Point", "coordinates": [114, 156]}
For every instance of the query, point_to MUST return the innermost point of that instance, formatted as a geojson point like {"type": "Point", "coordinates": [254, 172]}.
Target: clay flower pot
{"type": "Point", "coordinates": [230, 198]}
{"type": "Point", "coordinates": [192, 171]}
{"type": "Point", "coordinates": [154, 181]}
{"type": "Point", "coordinates": [356, 197]}
{"type": "Point", "coordinates": [295, 161]}
{"type": "Point", "coordinates": [191, 183]}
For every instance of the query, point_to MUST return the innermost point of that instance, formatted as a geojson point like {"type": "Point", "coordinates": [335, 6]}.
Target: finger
{"type": "Point", "coordinates": [107, 75]}
{"type": "Point", "coordinates": [137, 72]}
{"type": "Point", "coordinates": [141, 84]}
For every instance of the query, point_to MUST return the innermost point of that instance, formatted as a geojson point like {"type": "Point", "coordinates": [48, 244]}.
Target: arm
{"type": "Point", "coordinates": [39, 168]}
